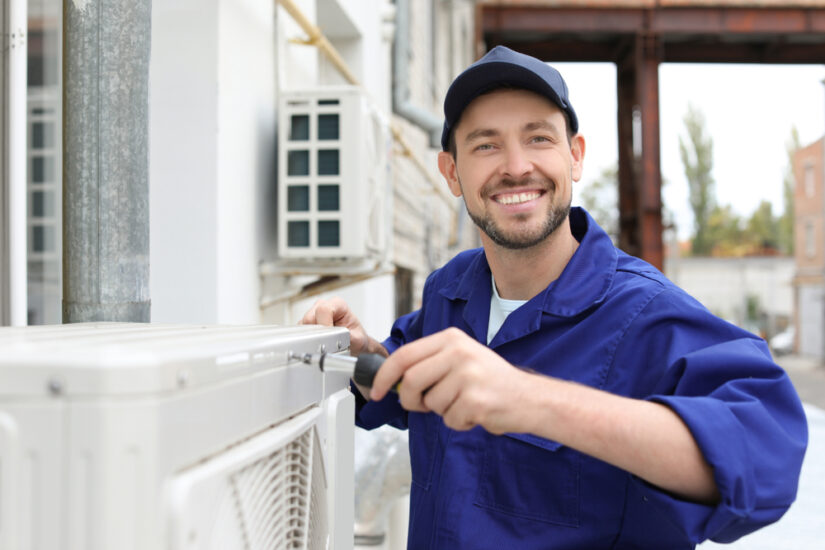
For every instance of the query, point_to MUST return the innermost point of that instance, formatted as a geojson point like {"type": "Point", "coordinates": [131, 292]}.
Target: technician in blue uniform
{"type": "Point", "coordinates": [560, 393]}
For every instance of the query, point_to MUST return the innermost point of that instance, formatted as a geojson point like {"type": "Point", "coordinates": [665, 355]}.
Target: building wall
{"type": "Point", "coordinates": [724, 285]}
{"type": "Point", "coordinates": [809, 197]}
{"type": "Point", "coordinates": [212, 86]}
{"type": "Point", "coordinates": [430, 225]}
{"type": "Point", "coordinates": [809, 249]}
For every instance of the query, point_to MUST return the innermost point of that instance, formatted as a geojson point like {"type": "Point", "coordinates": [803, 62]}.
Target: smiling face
{"type": "Point", "coordinates": [514, 166]}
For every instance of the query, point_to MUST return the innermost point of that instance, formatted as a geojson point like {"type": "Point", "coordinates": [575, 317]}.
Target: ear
{"type": "Point", "coordinates": [577, 147]}
{"type": "Point", "coordinates": [448, 169]}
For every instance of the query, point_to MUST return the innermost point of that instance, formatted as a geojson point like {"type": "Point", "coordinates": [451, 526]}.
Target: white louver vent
{"type": "Point", "coordinates": [276, 501]}
{"type": "Point", "coordinates": [333, 175]}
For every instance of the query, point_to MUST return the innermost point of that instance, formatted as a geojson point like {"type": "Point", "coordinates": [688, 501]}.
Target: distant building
{"type": "Point", "coordinates": [754, 292]}
{"type": "Point", "coordinates": [809, 244]}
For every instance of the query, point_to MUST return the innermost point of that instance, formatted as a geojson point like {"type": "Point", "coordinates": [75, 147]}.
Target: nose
{"type": "Point", "coordinates": [516, 162]}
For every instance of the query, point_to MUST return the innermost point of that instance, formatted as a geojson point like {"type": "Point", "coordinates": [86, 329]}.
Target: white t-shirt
{"type": "Point", "coordinates": [499, 310]}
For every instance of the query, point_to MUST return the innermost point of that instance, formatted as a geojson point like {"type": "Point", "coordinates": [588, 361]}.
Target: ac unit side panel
{"type": "Point", "coordinates": [114, 466]}
{"type": "Point", "coordinates": [9, 467]}
{"type": "Point", "coordinates": [32, 474]}
{"type": "Point", "coordinates": [340, 455]}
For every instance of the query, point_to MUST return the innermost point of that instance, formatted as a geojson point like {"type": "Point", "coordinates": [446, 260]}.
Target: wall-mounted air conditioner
{"type": "Point", "coordinates": [134, 436]}
{"type": "Point", "coordinates": [333, 175]}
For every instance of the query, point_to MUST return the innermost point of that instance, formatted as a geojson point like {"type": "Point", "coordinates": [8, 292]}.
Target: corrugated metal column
{"type": "Point", "coordinates": [640, 203]}
{"type": "Point", "coordinates": [106, 47]}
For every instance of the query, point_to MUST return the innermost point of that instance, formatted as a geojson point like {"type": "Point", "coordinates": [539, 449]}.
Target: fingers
{"type": "Point", "coordinates": [335, 312]}
{"type": "Point", "coordinates": [405, 357]}
{"type": "Point", "coordinates": [453, 375]}
{"type": "Point", "coordinates": [326, 312]}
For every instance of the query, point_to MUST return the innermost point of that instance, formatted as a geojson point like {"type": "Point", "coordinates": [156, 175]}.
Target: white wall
{"type": "Point", "coordinates": [212, 82]}
{"type": "Point", "coordinates": [723, 284]}
{"type": "Point", "coordinates": [246, 151]}
{"type": "Point", "coordinates": [372, 301]}
{"type": "Point", "coordinates": [183, 105]}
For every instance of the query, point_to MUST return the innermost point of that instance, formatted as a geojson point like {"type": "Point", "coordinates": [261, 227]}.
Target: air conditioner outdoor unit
{"type": "Point", "coordinates": [333, 175]}
{"type": "Point", "coordinates": [141, 436]}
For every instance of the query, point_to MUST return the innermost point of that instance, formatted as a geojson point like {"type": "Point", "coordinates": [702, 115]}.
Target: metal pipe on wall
{"type": "Point", "coordinates": [106, 46]}
{"type": "Point", "coordinates": [401, 85]}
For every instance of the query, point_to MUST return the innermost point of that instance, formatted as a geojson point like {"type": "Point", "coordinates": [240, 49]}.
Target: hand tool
{"type": "Point", "coordinates": [361, 369]}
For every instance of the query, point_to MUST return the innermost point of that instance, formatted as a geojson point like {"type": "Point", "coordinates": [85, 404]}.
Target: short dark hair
{"type": "Point", "coordinates": [451, 144]}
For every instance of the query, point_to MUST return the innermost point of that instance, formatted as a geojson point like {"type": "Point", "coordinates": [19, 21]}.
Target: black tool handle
{"type": "Point", "coordinates": [366, 368]}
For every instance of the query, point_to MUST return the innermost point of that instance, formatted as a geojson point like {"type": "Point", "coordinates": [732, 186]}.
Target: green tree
{"type": "Point", "coordinates": [763, 228]}
{"type": "Point", "coordinates": [601, 199]}
{"type": "Point", "coordinates": [786, 220]}
{"type": "Point", "coordinates": [696, 153]}
{"type": "Point", "coordinates": [724, 231]}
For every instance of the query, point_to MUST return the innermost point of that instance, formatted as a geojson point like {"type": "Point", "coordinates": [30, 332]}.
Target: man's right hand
{"type": "Point", "coordinates": [335, 312]}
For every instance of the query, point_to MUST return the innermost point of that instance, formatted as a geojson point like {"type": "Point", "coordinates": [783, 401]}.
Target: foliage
{"type": "Point", "coordinates": [786, 220]}
{"type": "Point", "coordinates": [724, 231]}
{"type": "Point", "coordinates": [763, 228]}
{"type": "Point", "coordinates": [696, 153]}
{"type": "Point", "coordinates": [601, 199]}
{"type": "Point", "coordinates": [718, 231]}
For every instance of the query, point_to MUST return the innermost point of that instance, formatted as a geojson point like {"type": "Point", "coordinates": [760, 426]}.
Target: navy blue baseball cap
{"type": "Point", "coordinates": [503, 66]}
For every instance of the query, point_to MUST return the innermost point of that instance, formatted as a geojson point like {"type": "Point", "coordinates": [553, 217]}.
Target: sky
{"type": "Point", "coordinates": [749, 110]}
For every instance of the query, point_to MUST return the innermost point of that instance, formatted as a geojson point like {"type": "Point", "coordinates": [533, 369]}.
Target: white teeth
{"type": "Point", "coordinates": [517, 198]}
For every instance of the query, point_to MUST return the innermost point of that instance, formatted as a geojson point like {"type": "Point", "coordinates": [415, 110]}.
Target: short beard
{"type": "Point", "coordinates": [555, 218]}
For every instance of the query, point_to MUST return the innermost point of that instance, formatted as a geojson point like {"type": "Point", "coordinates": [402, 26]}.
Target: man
{"type": "Point", "coordinates": [560, 393]}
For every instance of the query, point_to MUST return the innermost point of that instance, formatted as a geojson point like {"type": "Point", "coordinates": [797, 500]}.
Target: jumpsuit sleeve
{"type": "Point", "coordinates": [740, 407]}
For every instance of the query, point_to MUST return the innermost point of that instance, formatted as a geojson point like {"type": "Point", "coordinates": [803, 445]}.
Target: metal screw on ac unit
{"type": "Point", "coordinates": [340, 344]}
{"type": "Point", "coordinates": [55, 387]}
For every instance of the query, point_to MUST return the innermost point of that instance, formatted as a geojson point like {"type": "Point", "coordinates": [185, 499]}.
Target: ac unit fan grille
{"type": "Point", "coordinates": [279, 499]}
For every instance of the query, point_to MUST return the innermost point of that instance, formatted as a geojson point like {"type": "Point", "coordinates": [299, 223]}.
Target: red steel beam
{"type": "Point", "coordinates": [650, 178]}
{"type": "Point", "coordinates": [628, 165]}
{"type": "Point", "coordinates": [677, 20]}
{"type": "Point", "coordinates": [564, 49]}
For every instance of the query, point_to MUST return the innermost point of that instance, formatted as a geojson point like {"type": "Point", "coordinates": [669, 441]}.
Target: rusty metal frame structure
{"type": "Point", "coordinates": [637, 37]}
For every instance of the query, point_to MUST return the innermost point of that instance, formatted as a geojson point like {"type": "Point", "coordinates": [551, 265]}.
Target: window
{"type": "Point", "coordinates": [810, 241]}
{"type": "Point", "coordinates": [44, 198]}
{"type": "Point", "coordinates": [809, 180]}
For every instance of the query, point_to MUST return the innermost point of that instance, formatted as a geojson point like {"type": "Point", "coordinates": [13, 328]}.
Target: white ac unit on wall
{"type": "Point", "coordinates": [333, 175]}
{"type": "Point", "coordinates": [139, 436]}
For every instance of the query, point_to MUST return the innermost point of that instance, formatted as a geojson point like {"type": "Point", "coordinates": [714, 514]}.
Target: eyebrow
{"type": "Point", "coordinates": [541, 125]}
{"type": "Point", "coordinates": [480, 133]}
{"type": "Point", "coordinates": [529, 127]}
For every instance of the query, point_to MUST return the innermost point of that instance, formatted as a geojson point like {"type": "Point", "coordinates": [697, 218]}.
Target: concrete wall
{"type": "Point", "coordinates": [212, 113]}
{"type": "Point", "coordinates": [723, 285]}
